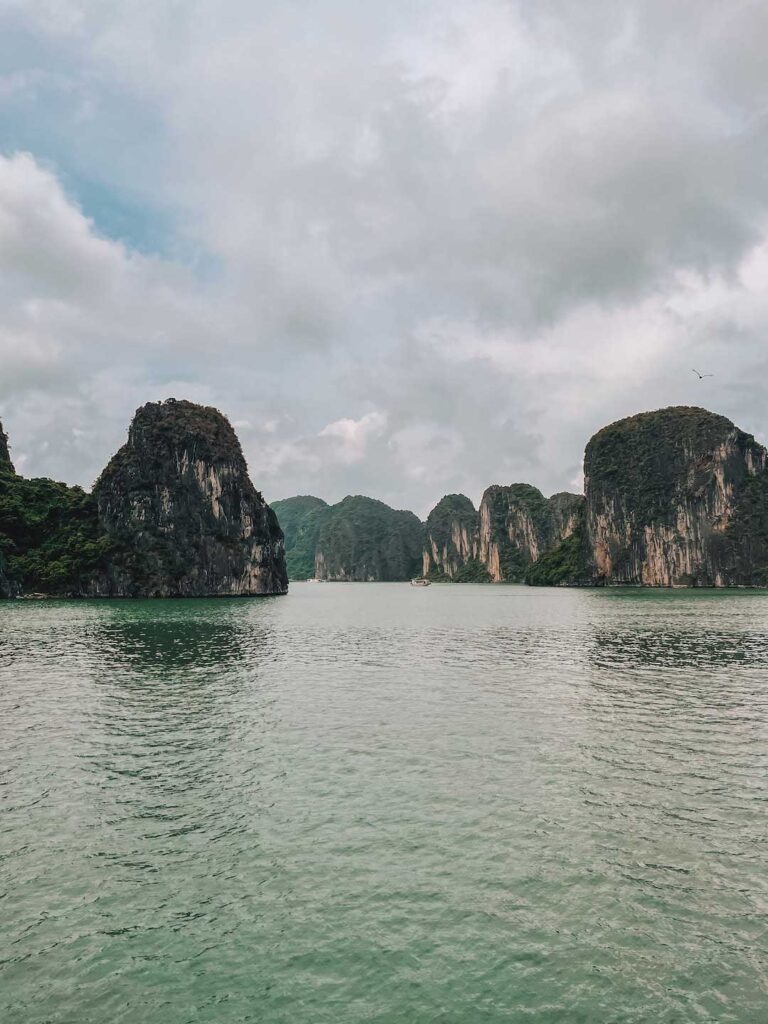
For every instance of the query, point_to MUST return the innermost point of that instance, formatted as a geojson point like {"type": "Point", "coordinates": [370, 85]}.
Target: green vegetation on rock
{"type": "Point", "coordinates": [473, 571]}
{"type": "Point", "coordinates": [173, 514]}
{"type": "Point", "coordinates": [50, 539]}
{"type": "Point", "coordinates": [509, 510]}
{"type": "Point", "coordinates": [453, 518]}
{"type": "Point", "coordinates": [300, 519]}
{"type": "Point", "coordinates": [564, 565]}
{"type": "Point", "coordinates": [364, 539]}
{"type": "Point", "coordinates": [646, 458]}
{"type": "Point", "coordinates": [676, 497]}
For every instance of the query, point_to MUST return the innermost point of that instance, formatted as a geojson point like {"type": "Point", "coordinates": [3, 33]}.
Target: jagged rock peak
{"type": "Point", "coordinates": [515, 529]}
{"type": "Point", "coordinates": [451, 541]}
{"type": "Point", "coordinates": [5, 455]}
{"type": "Point", "coordinates": [676, 497]}
{"type": "Point", "coordinates": [179, 505]}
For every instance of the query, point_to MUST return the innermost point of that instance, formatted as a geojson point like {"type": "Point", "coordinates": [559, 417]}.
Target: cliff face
{"type": "Point", "coordinates": [514, 527]}
{"type": "Point", "coordinates": [677, 497]}
{"type": "Point", "coordinates": [452, 542]}
{"type": "Point", "coordinates": [566, 511]}
{"type": "Point", "coordinates": [300, 520]}
{"type": "Point", "coordinates": [362, 539]}
{"type": "Point", "coordinates": [6, 471]}
{"type": "Point", "coordinates": [181, 513]}
{"type": "Point", "coordinates": [518, 525]}
{"type": "Point", "coordinates": [5, 456]}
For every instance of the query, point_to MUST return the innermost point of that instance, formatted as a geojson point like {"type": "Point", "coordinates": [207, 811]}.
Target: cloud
{"type": "Point", "coordinates": [350, 437]}
{"type": "Point", "coordinates": [410, 249]}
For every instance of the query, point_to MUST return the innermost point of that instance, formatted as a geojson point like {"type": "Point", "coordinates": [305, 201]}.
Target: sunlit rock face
{"type": "Point", "coordinates": [677, 497]}
{"type": "Point", "coordinates": [178, 504]}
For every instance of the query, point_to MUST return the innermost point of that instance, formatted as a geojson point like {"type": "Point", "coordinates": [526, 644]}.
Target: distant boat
{"type": "Point", "coordinates": [419, 581]}
{"type": "Point", "coordinates": [315, 580]}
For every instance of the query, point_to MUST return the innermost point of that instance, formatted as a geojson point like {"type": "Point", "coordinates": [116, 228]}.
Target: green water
{"type": "Point", "coordinates": [377, 803]}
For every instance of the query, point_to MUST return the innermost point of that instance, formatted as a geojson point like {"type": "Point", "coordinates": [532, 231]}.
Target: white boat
{"type": "Point", "coordinates": [315, 580]}
{"type": "Point", "coordinates": [419, 581]}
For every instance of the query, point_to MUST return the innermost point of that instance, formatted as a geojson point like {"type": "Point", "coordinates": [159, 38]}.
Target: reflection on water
{"type": "Point", "coordinates": [375, 803]}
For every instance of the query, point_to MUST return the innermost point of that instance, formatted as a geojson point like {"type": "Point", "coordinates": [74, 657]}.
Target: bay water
{"type": "Point", "coordinates": [385, 804]}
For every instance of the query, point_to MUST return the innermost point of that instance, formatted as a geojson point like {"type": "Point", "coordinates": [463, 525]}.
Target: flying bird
{"type": "Point", "coordinates": [701, 376]}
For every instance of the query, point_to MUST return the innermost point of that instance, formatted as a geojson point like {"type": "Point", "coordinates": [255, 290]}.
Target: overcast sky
{"type": "Point", "coordinates": [408, 248]}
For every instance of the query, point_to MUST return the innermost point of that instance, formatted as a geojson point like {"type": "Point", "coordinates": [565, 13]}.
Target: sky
{"type": "Point", "coordinates": [409, 248]}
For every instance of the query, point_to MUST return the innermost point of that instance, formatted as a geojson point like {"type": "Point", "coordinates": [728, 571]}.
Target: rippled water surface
{"type": "Point", "coordinates": [376, 803]}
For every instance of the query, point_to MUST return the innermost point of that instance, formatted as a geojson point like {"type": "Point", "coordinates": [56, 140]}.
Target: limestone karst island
{"type": "Point", "coordinates": [672, 498]}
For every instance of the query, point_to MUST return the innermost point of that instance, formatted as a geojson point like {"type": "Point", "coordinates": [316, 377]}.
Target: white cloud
{"type": "Point", "coordinates": [409, 248]}
{"type": "Point", "coordinates": [350, 437]}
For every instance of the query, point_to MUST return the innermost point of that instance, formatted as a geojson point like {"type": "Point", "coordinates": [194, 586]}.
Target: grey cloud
{"type": "Point", "coordinates": [572, 193]}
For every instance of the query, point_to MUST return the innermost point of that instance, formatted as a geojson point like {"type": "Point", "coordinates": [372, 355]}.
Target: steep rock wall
{"type": "Point", "coordinates": [676, 497]}
{"type": "Point", "coordinates": [518, 525]}
{"type": "Point", "coordinates": [452, 541]}
{"type": "Point", "coordinates": [300, 520]}
{"type": "Point", "coordinates": [182, 515]}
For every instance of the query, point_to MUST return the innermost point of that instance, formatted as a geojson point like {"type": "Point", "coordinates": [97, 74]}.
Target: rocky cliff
{"type": "Point", "coordinates": [676, 497]}
{"type": "Point", "coordinates": [6, 472]}
{"type": "Point", "coordinates": [300, 520]}
{"type": "Point", "coordinates": [514, 527]}
{"type": "Point", "coordinates": [364, 539]}
{"type": "Point", "coordinates": [5, 456]}
{"type": "Point", "coordinates": [452, 542]}
{"type": "Point", "coordinates": [518, 525]}
{"type": "Point", "coordinates": [181, 513]}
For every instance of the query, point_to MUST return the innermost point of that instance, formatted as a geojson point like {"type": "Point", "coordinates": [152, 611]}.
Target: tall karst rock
{"type": "Point", "coordinates": [514, 526]}
{"type": "Point", "coordinates": [361, 539]}
{"type": "Point", "coordinates": [7, 472]}
{"type": "Point", "coordinates": [518, 525]}
{"type": "Point", "coordinates": [452, 542]}
{"type": "Point", "coordinates": [184, 519]}
{"type": "Point", "coordinates": [300, 520]}
{"type": "Point", "coordinates": [677, 497]}
{"type": "Point", "coordinates": [6, 465]}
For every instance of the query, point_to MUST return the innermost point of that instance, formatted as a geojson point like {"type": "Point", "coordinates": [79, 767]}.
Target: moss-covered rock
{"type": "Point", "coordinates": [300, 519]}
{"type": "Point", "coordinates": [50, 538]}
{"type": "Point", "coordinates": [676, 497]}
{"type": "Point", "coordinates": [452, 542]}
{"type": "Point", "coordinates": [178, 505]}
{"type": "Point", "coordinates": [565, 564]}
{"type": "Point", "coordinates": [364, 539]}
{"type": "Point", "coordinates": [518, 525]}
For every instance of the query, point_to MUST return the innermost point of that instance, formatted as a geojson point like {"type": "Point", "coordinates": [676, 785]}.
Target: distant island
{"type": "Point", "coordinates": [173, 514]}
{"type": "Point", "coordinates": [673, 498]}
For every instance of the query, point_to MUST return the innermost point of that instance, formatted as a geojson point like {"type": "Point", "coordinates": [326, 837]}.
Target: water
{"type": "Point", "coordinates": [376, 803]}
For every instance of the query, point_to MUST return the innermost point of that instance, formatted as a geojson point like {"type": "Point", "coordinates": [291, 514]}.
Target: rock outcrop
{"type": "Point", "coordinates": [514, 527]}
{"type": "Point", "coordinates": [300, 520]}
{"type": "Point", "coordinates": [6, 470]}
{"type": "Point", "coordinates": [361, 539]}
{"type": "Point", "coordinates": [452, 542]}
{"type": "Point", "coordinates": [6, 465]}
{"type": "Point", "coordinates": [518, 525]}
{"type": "Point", "coordinates": [677, 497]}
{"type": "Point", "coordinates": [181, 514]}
